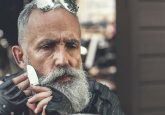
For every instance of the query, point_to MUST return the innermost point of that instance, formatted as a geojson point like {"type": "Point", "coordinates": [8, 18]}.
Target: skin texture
{"type": "Point", "coordinates": [52, 40]}
{"type": "Point", "coordinates": [47, 35]}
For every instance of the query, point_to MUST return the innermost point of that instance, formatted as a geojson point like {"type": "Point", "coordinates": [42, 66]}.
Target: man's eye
{"type": "Point", "coordinates": [71, 45]}
{"type": "Point", "coordinates": [47, 46]}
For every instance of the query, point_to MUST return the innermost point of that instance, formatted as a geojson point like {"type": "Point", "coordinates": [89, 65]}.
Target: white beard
{"type": "Point", "coordinates": [76, 91]}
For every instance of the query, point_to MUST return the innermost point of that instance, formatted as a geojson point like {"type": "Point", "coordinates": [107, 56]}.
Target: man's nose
{"type": "Point", "coordinates": [61, 59]}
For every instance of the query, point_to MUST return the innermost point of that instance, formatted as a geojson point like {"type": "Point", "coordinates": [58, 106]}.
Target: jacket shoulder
{"type": "Point", "coordinates": [103, 100]}
{"type": "Point", "coordinates": [103, 92]}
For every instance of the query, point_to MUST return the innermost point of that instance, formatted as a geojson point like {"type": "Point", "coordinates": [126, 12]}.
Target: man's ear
{"type": "Point", "coordinates": [18, 56]}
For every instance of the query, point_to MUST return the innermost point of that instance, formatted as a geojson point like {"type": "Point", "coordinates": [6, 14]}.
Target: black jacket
{"type": "Point", "coordinates": [103, 101]}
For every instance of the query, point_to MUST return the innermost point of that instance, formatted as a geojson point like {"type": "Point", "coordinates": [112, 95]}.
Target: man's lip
{"type": "Point", "coordinates": [64, 79]}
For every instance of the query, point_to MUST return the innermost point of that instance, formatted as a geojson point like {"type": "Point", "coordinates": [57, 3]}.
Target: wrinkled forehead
{"type": "Point", "coordinates": [55, 20]}
{"type": "Point", "coordinates": [38, 17]}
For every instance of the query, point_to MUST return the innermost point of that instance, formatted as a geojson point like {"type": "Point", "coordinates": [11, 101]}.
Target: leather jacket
{"type": "Point", "coordinates": [103, 100]}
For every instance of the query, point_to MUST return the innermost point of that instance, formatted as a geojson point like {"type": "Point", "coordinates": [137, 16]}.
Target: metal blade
{"type": "Point", "coordinates": [32, 75]}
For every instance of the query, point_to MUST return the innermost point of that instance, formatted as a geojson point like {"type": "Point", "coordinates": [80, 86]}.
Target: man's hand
{"type": "Point", "coordinates": [39, 101]}
{"type": "Point", "coordinates": [22, 82]}
{"type": "Point", "coordinates": [13, 95]}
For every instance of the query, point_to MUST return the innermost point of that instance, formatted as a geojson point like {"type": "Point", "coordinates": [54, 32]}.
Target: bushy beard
{"type": "Point", "coordinates": [76, 90]}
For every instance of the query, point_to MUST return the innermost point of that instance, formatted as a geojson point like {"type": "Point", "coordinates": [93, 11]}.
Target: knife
{"type": "Point", "coordinates": [32, 75]}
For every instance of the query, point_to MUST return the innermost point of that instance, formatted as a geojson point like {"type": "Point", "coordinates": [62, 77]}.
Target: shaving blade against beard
{"type": "Point", "coordinates": [32, 75]}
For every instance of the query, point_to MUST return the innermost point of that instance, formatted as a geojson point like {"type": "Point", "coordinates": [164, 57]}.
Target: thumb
{"type": "Point", "coordinates": [31, 106]}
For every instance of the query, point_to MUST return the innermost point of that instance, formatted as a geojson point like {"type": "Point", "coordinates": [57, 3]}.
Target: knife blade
{"type": "Point", "coordinates": [32, 75]}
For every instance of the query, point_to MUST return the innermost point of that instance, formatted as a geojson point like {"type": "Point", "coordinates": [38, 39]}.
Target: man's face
{"type": "Point", "coordinates": [53, 40]}
{"type": "Point", "coordinates": [52, 47]}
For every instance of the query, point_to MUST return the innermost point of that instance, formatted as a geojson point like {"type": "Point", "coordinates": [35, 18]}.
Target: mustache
{"type": "Point", "coordinates": [59, 72]}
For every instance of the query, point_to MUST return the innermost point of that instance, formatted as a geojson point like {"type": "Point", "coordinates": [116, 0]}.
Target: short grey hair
{"type": "Point", "coordinates": [25, 14]}
{"type": "Point", "coordinates": [23, 20]}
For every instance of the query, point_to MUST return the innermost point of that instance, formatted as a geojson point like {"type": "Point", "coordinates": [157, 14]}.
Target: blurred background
{"type": "Point", "coordinates": [122, 47]}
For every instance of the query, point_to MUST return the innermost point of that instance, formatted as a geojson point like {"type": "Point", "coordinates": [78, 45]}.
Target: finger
{"type": "Point", "coordinates": [20, 78]}
{"type": "Point", "coordinates": [41, 104]}
{"type": "Point", "coordinates": [1, 82]}
{"type": "Point", "coordinates": [44, 112]}
{"type": "Point", "coordinates": [31, 106]}
{"type": "Point", "coordinates": [40, 96]}
{"type": "Point", "coordinates": [28, 92]}
{"type": "Point", "coordinates": [38, 89]}
{"type": "Point", "coordinates": [24, 84]}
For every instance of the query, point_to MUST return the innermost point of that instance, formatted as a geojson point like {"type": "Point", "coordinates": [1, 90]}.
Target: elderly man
{"type": "Point", "coordinates": [49, 40]}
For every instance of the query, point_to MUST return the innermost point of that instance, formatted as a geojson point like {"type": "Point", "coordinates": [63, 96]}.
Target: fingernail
{"type": "Point", "coordinates": [30, 100]}
{"type": "Point", "coordinates": [36, 110]}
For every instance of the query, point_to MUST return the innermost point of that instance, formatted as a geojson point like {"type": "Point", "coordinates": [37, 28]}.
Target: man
{"type": "Point", "coordinates": [49, 40]}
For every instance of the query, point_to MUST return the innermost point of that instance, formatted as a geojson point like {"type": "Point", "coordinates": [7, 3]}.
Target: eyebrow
{"type": "Point", "coordinates": [48, 41]}
{"type": "Point", "coordinates": [72, 41]}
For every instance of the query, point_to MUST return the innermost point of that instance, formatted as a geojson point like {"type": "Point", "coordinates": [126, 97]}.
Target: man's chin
{"type": "Point", "coordinates": [72, 83]}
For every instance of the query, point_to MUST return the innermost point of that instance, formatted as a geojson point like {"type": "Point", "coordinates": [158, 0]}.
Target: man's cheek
{"type": "Point", "coordinates": [78, 62]}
